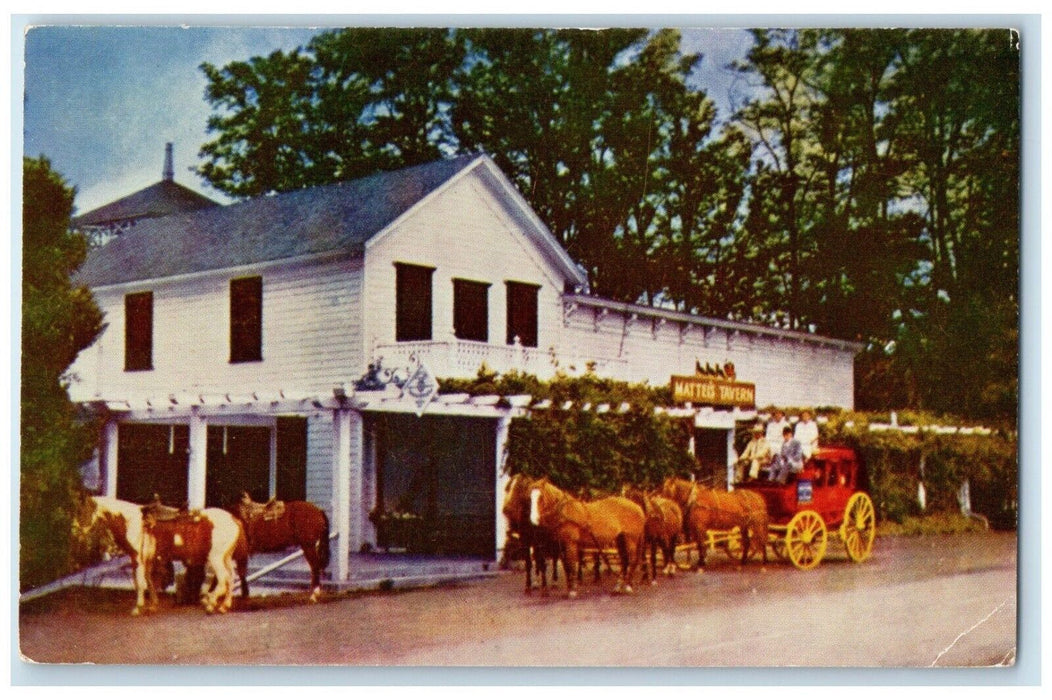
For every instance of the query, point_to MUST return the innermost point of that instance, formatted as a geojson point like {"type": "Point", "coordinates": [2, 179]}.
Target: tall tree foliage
{"type": "Point", "coordinates": [599, 129]}
{"type": "Point", "coordinates": [868, 189]}
{"type": "Point", "coordinates": [58, 321]}
{"type": "Point", "coordinates": [877, 153]}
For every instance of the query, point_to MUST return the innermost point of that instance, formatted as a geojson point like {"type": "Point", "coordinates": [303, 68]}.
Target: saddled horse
{"type": "Point", "coordinates": [210, 536]}
{"type": "Point", "coordinates": [664, 527]}
{"type": "Point", "coordinates": [539, 545]}
{"type": "Point", "coordinates": [608, 522]}
{"type": "Point", "coordinates": [278, 525]}
{"type": "Point", "coordinates": [707, 509]}
{"type": "Point", "coordinates": [123, 519]}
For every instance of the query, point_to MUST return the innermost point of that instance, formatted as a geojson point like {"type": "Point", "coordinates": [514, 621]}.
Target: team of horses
{"type": "Point", "coordinates": [553, 525]}
{"type": "Point", "coordinates": [154, 536]}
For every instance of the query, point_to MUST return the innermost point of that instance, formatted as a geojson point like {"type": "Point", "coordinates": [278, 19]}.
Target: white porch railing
{"type": "Point", "coordinates": [463, 358]}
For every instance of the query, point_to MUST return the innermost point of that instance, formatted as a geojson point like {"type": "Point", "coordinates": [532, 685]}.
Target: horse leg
{"type": "Point", "coordinates": [571, 556]}
{"type": "Point", "coordinates": [654, 545]}
{"type": "Point", "coordinates": [702, 538]}
{"type": "Point", "coordinates": [670, 555]}
{"type": "Point", "coordinates": [310, 553]}
{"type": "Point", "coordinates": [530, 563]}
{"type": "Point", "coordinates": [242, 572]}
{"type": "Point", "coordinates": [139, 576]}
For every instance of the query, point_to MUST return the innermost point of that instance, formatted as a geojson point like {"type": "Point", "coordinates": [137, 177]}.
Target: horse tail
{"type": "Point", "coordinates": [323, 544]}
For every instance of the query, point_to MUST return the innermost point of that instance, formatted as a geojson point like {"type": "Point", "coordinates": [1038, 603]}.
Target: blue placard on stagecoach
{"type": "Point", "coordinates": [804, 492]}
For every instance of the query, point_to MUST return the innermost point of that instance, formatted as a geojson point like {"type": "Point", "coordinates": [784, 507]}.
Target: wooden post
{"type": "Point", "coordinates": [730, 459]}
{"type": "Point", "coordinates": [272, 481]}
{"type": "Point", "coordinates": [503, 425]}
{"type": "Point", "coordinates": [198, 461]}
{"type": "Point", "coordinates": [347, 486]}
{"type": "Point", "coordinates": [111, 436]}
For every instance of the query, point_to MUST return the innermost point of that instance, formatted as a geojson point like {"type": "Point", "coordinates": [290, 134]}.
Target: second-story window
{"type": "Point", "coordinates": [138, 331]}
{"type": "Point", "coordinates": [470, 310]}
{"type": "Point", "coordinates": [522, 313]}
{"type": "Point", "coordinates": [412, 302]}
{"type": "Point", "coordinates": [246, 319]}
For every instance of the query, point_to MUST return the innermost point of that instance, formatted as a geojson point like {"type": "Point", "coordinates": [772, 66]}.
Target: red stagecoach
{"type": "Point", "coordinates": [825, 499]}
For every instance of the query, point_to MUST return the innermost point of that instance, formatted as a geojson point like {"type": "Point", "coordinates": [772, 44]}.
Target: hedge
{"type": "Point", "coordinates": [591, 453]}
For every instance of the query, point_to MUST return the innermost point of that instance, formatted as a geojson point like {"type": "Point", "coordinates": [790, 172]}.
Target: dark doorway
{"type": "Point", "coordinates": [292, 459]}
{"type": "Point", "coordinates": [710, 450]}
{"type": "Point", "coordinates": [238, 460]}
{"type": "Point", "coordinates": [440, 471]}
{"type": "Point", "coordinates": [152, 460]}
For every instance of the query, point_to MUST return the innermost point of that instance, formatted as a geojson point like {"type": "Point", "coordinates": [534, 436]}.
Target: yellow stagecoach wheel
{"type": "Point", "coordinates": [805, 539]}
{"type": "Point", "coordinates": [859, 527]}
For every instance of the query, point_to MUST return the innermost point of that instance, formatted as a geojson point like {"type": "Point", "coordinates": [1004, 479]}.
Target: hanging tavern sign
{"type": "Point", "coordinates": [716, 391]}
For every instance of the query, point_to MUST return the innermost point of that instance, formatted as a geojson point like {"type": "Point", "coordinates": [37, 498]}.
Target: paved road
{"type": "Point", "coordinates": [936, 601]}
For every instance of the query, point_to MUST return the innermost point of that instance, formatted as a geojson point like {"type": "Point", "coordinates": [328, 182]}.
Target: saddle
{"type": "Point", "coordinates": [271, 510]}
{"type": "Point", "coordinates": [158, 511]}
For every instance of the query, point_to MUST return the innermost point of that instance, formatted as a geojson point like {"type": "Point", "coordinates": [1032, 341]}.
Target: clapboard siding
{"type": "Point", "coordinates": [463, 232]}
{"type": "Point", "coordinates": [312, 335]}
{"type": "Point", "coordinates": [319, 461]}
{"type": "Point", "coordinates": [786, 371]}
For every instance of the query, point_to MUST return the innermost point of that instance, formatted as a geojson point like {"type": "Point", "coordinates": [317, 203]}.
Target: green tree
{"type": "Point", "coordinates": [883, 205]}
{"type": "Point", "coordinates": [58, 321]}
{"type": "Point", "coordinates": [600, 131]}
{"type": "Point", "coordinates": [961, 115]}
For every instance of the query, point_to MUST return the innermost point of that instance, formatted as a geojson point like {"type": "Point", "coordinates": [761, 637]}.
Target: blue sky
{"type": "Point", "coordinates": [101, 102]}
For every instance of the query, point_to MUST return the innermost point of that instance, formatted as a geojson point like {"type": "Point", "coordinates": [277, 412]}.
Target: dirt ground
{"type": "Point", "coordinates": [492, 621]}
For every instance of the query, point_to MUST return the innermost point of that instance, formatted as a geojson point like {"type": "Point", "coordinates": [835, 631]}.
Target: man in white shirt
{"type": "Point", "coordinates": [756, 456]}
{"type": "Point", "coordinates": [807, 433]}
{"type": "Point", "coordinates": [775, 426]}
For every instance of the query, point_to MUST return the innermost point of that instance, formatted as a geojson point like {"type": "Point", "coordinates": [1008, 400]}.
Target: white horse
{"type": "Point", "coordinates": [123, 519]}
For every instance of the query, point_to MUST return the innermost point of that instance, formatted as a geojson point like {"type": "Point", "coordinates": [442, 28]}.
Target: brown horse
{"type": "Point", "coordinates": [539, 545]}
{"type": "Point", "coordinates": [278, 525]}
{"type": "Point", "coordinates": [707, 509]}
{"type": "Point", "coordinates": [607, 522]}
{"type": "Point", "coordinates": [664, 527]}
{"type": "Point", "coordinates": [211, 536]}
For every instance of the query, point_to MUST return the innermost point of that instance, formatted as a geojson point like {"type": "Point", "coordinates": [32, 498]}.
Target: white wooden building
{"type": "Point", "coordinates": [237, 338]}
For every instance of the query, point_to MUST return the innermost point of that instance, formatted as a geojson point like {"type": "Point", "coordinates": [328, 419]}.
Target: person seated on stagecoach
{"type": "Point", "coordinates": [775, 426]}
{"type": "Point", "coordinates": [789, 460]}
{"type": "Point", "coordinates": [807, 433]}
{"type": "Point", "coordinates": [757, 456]}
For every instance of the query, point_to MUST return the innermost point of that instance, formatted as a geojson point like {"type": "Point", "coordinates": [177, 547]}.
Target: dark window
{"type": "Point", "coordinates": [138, 331]}
{"type": "Point", "coordinates": [246, 319]}
{"type": "Point", "coordinates": [412, 302]}
{"type": "Point", "coordinates": [470, 310]}
{"type": "Point", "coordinates": [522, 313]}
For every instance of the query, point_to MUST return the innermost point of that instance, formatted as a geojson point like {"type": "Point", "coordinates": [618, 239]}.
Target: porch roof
{"type": "Point", "coordinates": [178, 407]}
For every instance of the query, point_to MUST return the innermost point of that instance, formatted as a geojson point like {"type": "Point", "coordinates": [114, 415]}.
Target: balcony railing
{"type": "Point", "coordinates": [463, 358]}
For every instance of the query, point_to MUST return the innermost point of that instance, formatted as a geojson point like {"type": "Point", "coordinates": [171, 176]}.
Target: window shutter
{"type": "Point", "coordinates": [246, 319]}
{"type": "Point", "coordinates": [138, 331]}
{"type": "Point", "coordinates": [412, 302]}
{"type": "Point", "coordinates": [522, 313]}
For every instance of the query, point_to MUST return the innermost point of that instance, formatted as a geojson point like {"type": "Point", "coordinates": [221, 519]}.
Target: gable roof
{"type": "Point", "coordinates": [160, 199]}
{"type": "Point", "coordinates": [316, 220]}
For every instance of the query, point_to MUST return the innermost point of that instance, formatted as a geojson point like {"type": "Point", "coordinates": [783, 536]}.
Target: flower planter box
{"type": "Point", "coordinates": [401, 533]}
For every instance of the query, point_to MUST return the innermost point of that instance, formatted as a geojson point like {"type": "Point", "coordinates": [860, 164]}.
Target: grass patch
{"type": "Point", "coordinates": [935, 524]}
